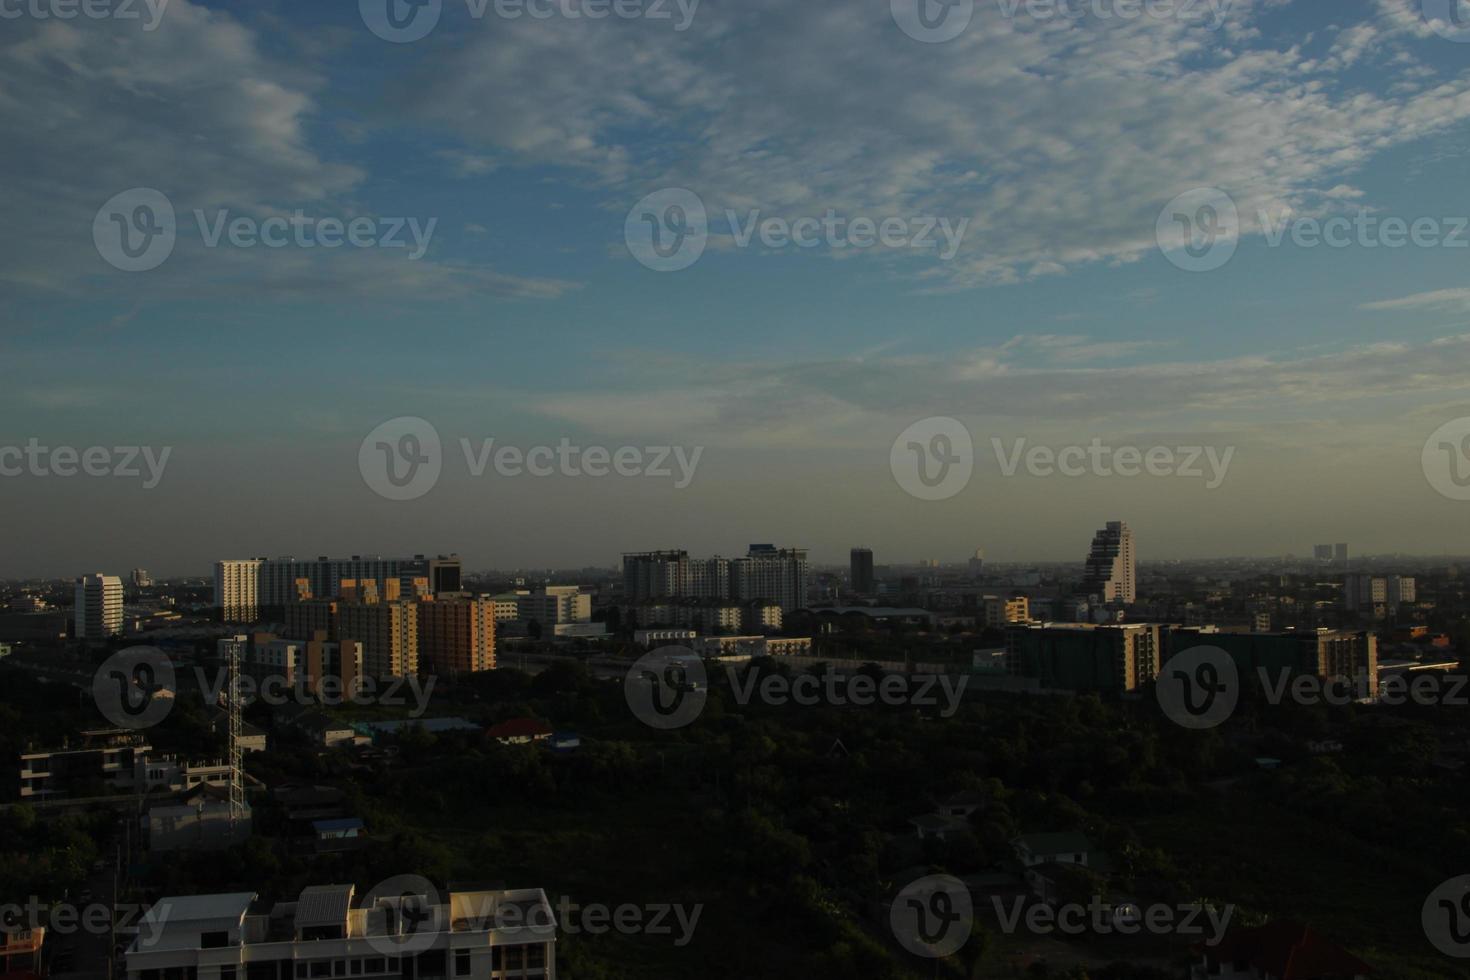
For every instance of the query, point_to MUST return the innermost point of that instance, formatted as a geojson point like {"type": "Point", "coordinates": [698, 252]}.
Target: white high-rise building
{"type": "Point", "coordinates": [1112, 569]}
{"type": "Point", "coordinates": [555, 605]}
{"type": "Point", "coordinates": [99, 607]}
{"type": "Point", "coordinates": [237, 589]}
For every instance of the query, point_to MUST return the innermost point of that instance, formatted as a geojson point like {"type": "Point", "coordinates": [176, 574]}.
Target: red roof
{"type": "Point", "coordinates": [1289, 950]}
{"type": "Point", "coordinates": [519, 728]}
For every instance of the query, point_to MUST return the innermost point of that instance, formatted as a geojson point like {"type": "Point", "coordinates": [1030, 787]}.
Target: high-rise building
{"type": "Point", "coordinates": [456, 635]}
{"type": "Point", "coordinates": [1377, 595]}
{"type": "Point", "coordinates": [1111, 573]}
{"type": "Point", "coordinates": [388, 632]}
{"type": "Point", "coordinates": [141, 578]}
{"type": "Point", "coordinates": [1323, 653]}
{"type": "Point", "coordinates": [237, 589]}
{"type": "Point", "coordinates": [1083, 657]}
{"type": "Point", "coordinates": [998, 612]}
{"type": "Point", "coordinates": [246, 589]}
{"type": "Point", "coordinates": [771, 574]}
{"type": "Point", "coordinates": [861, 571]}
{"type": "Point", "coordinates": [976, 563]}
{"type": "Point", "coordinates": [1322, 553]}
{"type": "Point", "coordinates": [766, 573]}
{"type": "Point", "coordinates": [1340, 554]}
{"type": "Point", "coordinates": [99, 607]}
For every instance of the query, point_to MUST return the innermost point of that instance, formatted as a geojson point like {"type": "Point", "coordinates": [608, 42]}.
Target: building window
{"type": "Point", "coordinates": [357, 968]}
{"type": "Point", "coordinates": [321, 969]}
{"type": "Point", "coordinates": [227, 972]}
{"type": "Point", "coordinates": [461, 962]}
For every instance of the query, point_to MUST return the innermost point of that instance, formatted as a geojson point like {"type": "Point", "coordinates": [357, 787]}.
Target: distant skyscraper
{"type": "Point", "coordinates": [766, 572]}
{"type": "Point", "coordinates": [245, 587]}
{"type": "Point", "coordinates": [1112, 572]}
{"type": "Point", "coordinates": [977, 563]}
{"type": "Point", "coordinates": [860, 570]}
{"type": "Point", "coordinates": [99, 607]}
{"type": "Point", "coordinates": [1339, 554]}
{"type": "Point", "coordinates": [141, 578]}
{"type": "Point", "coordinates": [1322, 552]}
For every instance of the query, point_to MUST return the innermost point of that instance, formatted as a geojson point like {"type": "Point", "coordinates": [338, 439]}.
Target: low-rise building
{"type": "Point", "coordinates": [331, 931]}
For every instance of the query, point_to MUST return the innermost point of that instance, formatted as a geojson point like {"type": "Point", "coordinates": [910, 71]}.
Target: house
{"type": "Point", "coordinates": [565, 742]}
{"type": "Point", "coordinates": [252, 738]}
{"type": "Point", "coordinates": [1277, 951]}
{"type": "Point", "coordinates": [338, 834]}
{"type": "Point", "coordinates": [318, 726]}
{"type": "Point", "coordinates": [1035, 849]}
{"type": "Point", "coordinates": [951, 817]}
{"type": "Point", "coordinates": [519, 731]}
{"type": "Point", "coordinates": [936, 826]}
{"type": "Point", "coordinates": [198, 820]}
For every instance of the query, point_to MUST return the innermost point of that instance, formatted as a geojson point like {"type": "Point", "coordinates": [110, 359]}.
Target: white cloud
{"type": "Point", "coordinates": [1060, 141]}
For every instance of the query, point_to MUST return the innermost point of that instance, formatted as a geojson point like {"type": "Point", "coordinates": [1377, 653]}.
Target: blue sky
{"type": "Point", "coordinates": [1059, 319]}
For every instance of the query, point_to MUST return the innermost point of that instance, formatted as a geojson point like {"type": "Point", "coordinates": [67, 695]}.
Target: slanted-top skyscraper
{"type": "Point", "coordinates": [1112, 571]}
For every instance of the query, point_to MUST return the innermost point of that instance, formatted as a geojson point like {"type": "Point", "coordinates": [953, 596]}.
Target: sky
{"type": "Point", "coordinates": [578, 231]}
